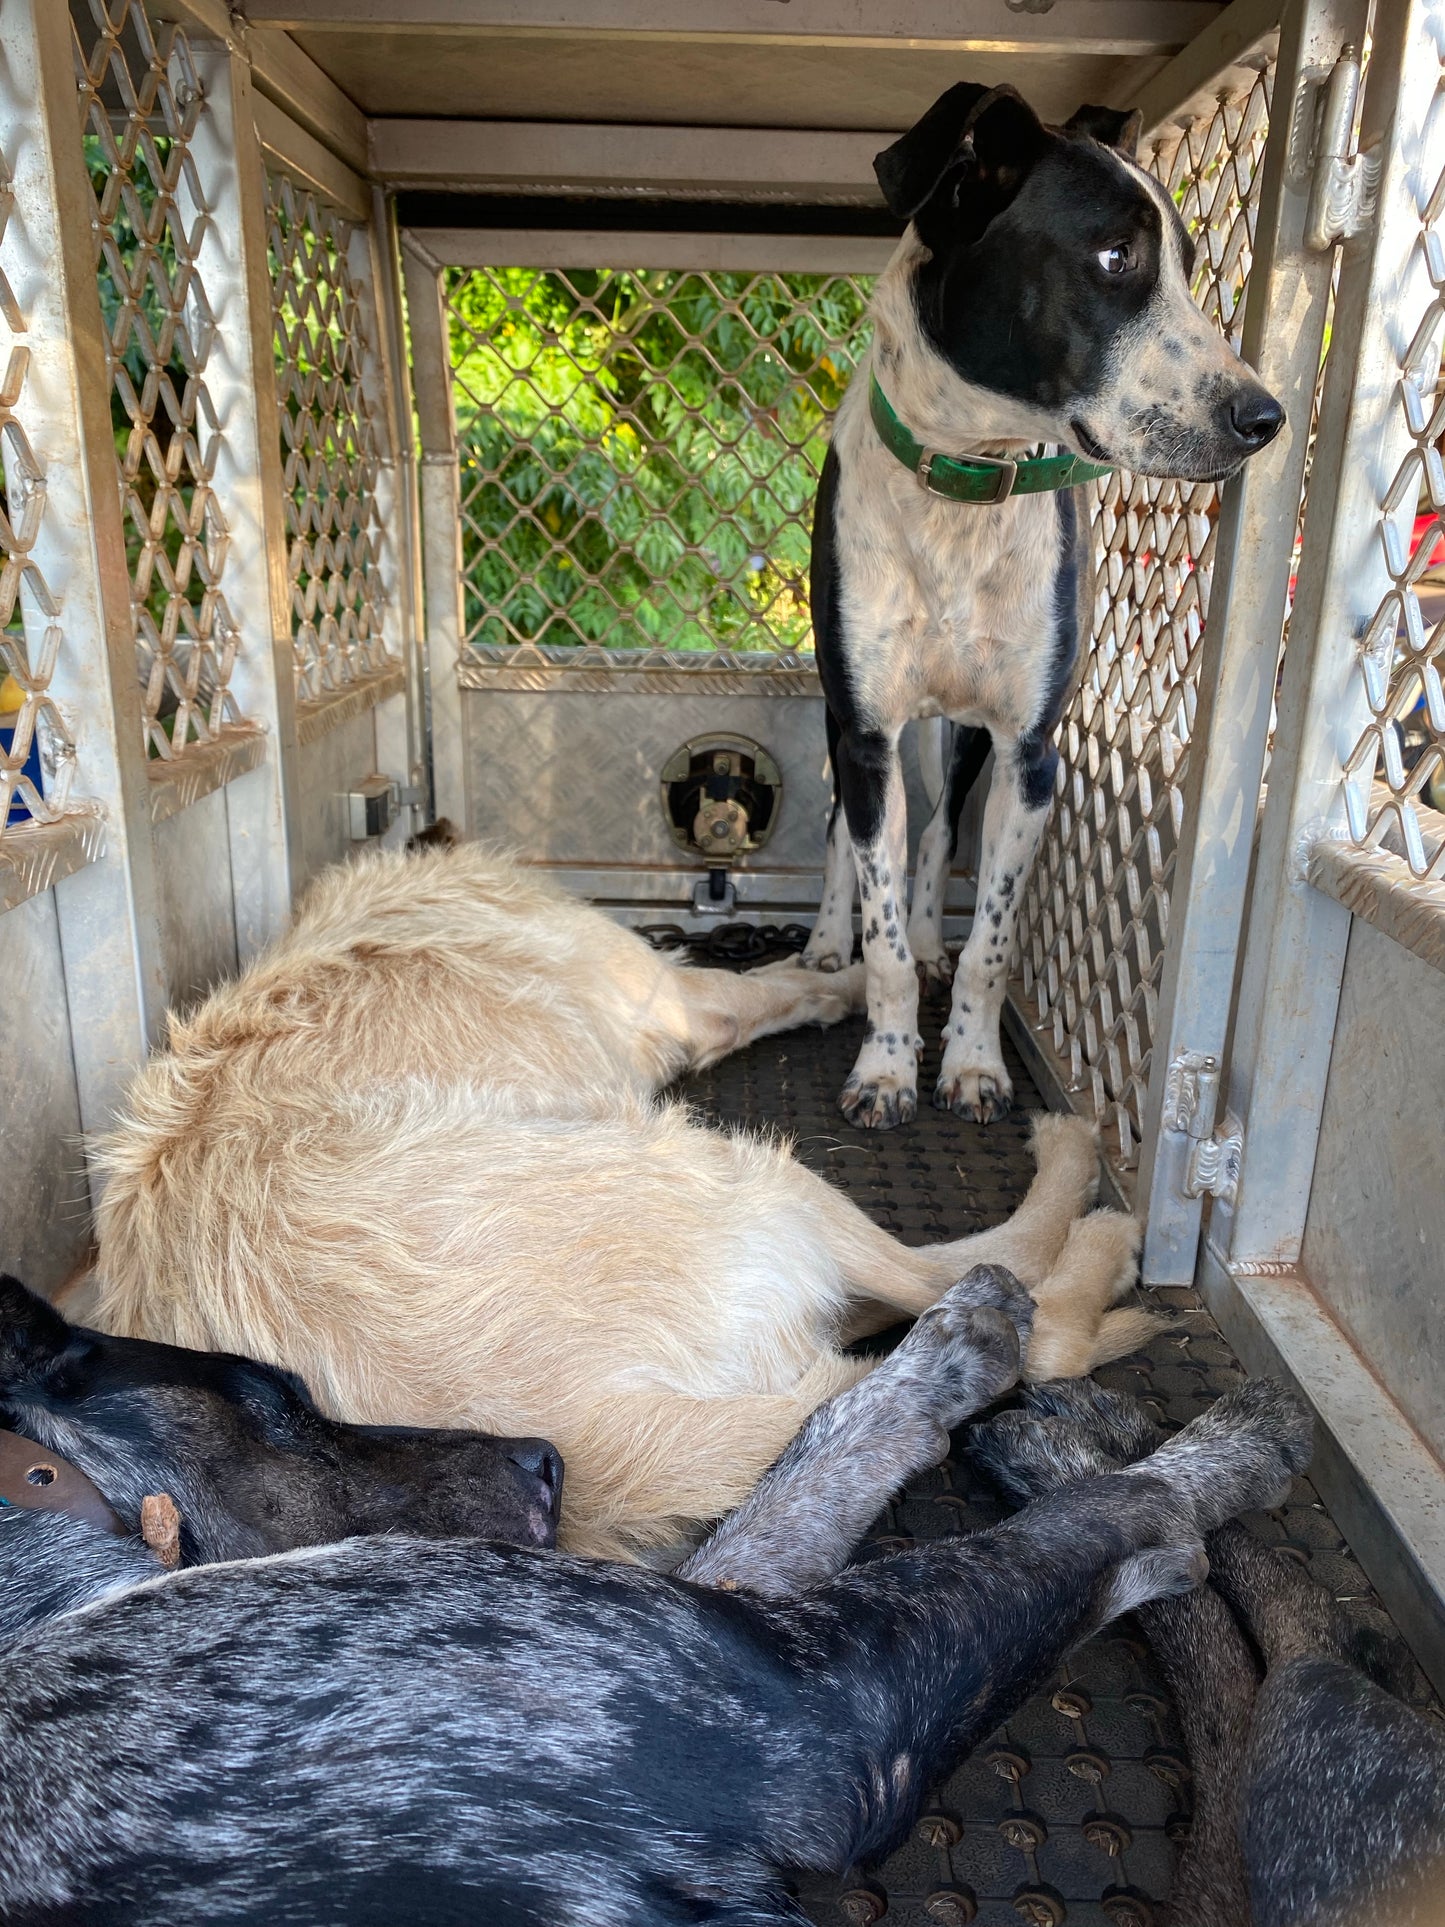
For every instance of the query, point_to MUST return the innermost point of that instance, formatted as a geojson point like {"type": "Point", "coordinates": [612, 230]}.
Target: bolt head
{"type": "Point", "coordinates": [861, 1906]}
{"type": "Point", "coordinates": [940, 1831]}
{"type": "Point", "coordinates": [951, 1907]}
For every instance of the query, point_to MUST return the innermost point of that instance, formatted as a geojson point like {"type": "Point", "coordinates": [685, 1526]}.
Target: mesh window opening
{"type": "Point", "coordinates": [1394, 776]}
{"type": "Point", "coordinates": [141, 102]}
{"type": "Point", "coordinates": [330, 453]}
{"type": "Point", "coordinates": [1095, 921]}
{"type": "Point", "coordinates": [639, 453]}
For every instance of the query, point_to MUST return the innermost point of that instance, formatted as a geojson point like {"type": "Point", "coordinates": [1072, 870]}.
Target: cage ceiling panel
{"type": "Point", "coordinates": [826, 64]}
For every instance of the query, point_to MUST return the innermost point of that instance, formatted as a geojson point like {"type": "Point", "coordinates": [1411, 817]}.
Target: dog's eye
{"type": "Point", "coordinates": [1116, 260]}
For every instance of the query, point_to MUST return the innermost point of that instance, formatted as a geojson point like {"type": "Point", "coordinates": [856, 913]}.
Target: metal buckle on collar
{"type": "Point", "coordinates": [1007, 474]}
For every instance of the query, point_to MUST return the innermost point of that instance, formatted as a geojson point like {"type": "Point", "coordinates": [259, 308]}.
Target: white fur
{"type": "Point", "coordinates": [412, 1153]}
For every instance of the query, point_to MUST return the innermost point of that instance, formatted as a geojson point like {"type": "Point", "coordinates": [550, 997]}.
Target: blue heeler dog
{"type": "Point", "coordinates": [398, 1729]}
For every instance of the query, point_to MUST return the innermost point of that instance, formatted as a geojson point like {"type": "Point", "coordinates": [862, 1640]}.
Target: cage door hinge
{"type": "Point", "coordinates": [1344, 184]}
{"type": "Point", "coordinates": [1191, 1099]}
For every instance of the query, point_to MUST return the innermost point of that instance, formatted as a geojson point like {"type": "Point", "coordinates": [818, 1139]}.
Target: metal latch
{"type": "Point", "coordinates": [369, 807]}
{"type": "Point", "coordinates": [1342, 194]}
{"type": "Point", "coordinates": [1191, 1100]}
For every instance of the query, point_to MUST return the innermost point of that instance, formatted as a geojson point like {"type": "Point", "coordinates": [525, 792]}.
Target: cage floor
{"type": "Point", "coordinates": [1071, 1811]}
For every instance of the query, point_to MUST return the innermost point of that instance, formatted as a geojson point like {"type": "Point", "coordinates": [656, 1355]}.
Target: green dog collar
{"type": "Point", "coordinates": [975, 478]}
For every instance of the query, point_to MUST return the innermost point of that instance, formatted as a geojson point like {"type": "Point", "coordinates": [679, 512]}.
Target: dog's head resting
{"type": "Point", "coordinates": [1047, 269]}
{"type": "Point", "coordinates": [251, 1463]}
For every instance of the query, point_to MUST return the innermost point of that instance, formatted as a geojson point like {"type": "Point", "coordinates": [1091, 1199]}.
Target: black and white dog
{"type": "Point", "coordinates": [1040, 294]}
{"type": "Point", "coordinates": [444, 1733]}
{"type": "Point", "coordinates": [1319, 1796]}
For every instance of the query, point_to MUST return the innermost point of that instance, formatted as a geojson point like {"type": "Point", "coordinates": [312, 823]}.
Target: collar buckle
{"type": "Point", "coordinates": [1006, 471]}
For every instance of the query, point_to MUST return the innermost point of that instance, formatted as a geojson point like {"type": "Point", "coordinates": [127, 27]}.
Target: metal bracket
{"type": "Point", "coordinates": [714, 895]}
{"type": "Point", "coordinates": [1191, 1099]}
{"type": "Point", "coordinates": [1342, 197]}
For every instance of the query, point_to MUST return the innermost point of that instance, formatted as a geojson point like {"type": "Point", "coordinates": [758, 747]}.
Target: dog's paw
{"type": "Point", "coordinates": [1160, 1572]}
{"type": "Point", "coordinates": [968, 1354]}
{"type": "Point", "coordinates": [826, 956]}
{"type": "Point", "coordinates": [1117, 1424]}
{"type": "Point", "coordinates": [935, 966]}
{"type": "Point", "coordinates": [1029, 1456]}
{"type": "Point", "coordinates": [1244, 1453]}
{"type": "Point", "coordinates": [982, 1097]}
{"type": "Point", "coordinates": [997, 1287]}
{"type": "Point", "coordinates": [1264, 1410]}
{"type": "Point", "coordinates": [881, 1102]}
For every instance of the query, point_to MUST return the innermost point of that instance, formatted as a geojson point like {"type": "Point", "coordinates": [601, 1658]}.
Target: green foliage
{"type": "Point", "coordinates": [639, 451]}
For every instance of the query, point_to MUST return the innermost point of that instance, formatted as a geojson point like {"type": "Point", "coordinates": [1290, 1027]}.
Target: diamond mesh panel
{"type": "Point", "coordinates": [140, 106]}
{"type": "Point", "coordinates": [639, 456]}
{"type": "Point", "coordinates": [28, 717]}
{"type": "Point", "coordinates": [1394, 778]}
{"type": "Point", "coordinates": [1096, 915]}
{"type": "Point", "coordinates": [329, 443]}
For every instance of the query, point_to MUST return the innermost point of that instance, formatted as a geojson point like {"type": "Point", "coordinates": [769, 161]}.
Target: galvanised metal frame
{"type": "Point", "coordinates": [107, 908]}
{"type": "Point", "coordinates": [439, 501]}
{"type": "Point", "coordinates": [1384, 1485]}
{"type": "Point", "coordinates": [91, 838]}
{"type": "Point", "coordinates": [1283, 337]}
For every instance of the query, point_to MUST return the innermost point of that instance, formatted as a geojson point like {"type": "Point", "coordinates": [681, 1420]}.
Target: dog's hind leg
{"type": "Point", "coordinates": [1343, 1785]}
{"type": "Point", "coordinates": [906, 1278]}
{"type": "Point", "coordinates": [830, 947]}
{"type": "Point", "coordinates": [724, 1010]}
{"type": "Point", "coordinates": [1076, 1330]}
{"type": "Point", "coordinates": [981, 1620]}
{"type": "Point", "coordinates": [972, 1081]}
{"type": "Point", "coordinates": [1075, 1430]}
{"type": "Point", "coordinates": [936, 850]}
{"type": "Point", "coordinates": [806, 1514]}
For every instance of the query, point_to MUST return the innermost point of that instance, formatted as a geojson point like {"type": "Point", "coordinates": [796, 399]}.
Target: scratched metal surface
{"type": "Point", "coordinates": [1070, 1812]}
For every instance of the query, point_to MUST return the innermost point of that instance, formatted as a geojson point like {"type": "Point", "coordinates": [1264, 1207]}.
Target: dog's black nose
{"type": "Point", "coordinates": [542, 1460]}
{"type": "Point", "coordinates": [1256, 417]}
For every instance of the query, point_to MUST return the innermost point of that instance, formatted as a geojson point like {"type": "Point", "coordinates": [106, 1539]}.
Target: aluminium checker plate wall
{"type": "Point", "coordinates": [1070, 1812]}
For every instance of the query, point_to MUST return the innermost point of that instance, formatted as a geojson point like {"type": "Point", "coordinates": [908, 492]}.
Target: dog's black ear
{"type": "Point", "coordinates": [964, 161]}
{"type": "Point", "coordinates": [912, 167]}
{"type": "Point", "coordinates": [1109, 126]}
{"type": "Point", "coordinates": [32, 1333]}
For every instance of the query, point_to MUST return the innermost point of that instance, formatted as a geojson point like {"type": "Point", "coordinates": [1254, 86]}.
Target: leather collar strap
{"type": "Point", "coordinates": [975, 478]}
{"type": "Point", "coordinates": [36, 1480]}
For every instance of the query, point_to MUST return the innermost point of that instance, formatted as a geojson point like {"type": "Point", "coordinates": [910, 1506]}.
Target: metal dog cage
{"type": "Point", "coordinates": [410, 408]}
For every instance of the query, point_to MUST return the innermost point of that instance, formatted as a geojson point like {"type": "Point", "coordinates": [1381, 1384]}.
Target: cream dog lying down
{"type": "Point", "coordinates": [414, 1152]}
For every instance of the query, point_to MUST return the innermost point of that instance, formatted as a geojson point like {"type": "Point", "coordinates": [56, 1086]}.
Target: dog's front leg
{"type": "Point", "coordinates": [972, 1081]}
{"type": "Point", "coordinates": [811, 1507]}
{"type": "Point", "coordinates": [882, 1089]}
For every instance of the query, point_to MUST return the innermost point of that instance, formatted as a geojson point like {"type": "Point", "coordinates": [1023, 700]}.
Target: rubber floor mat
{"type": "Point", "coordinates": [1072, 1811]}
